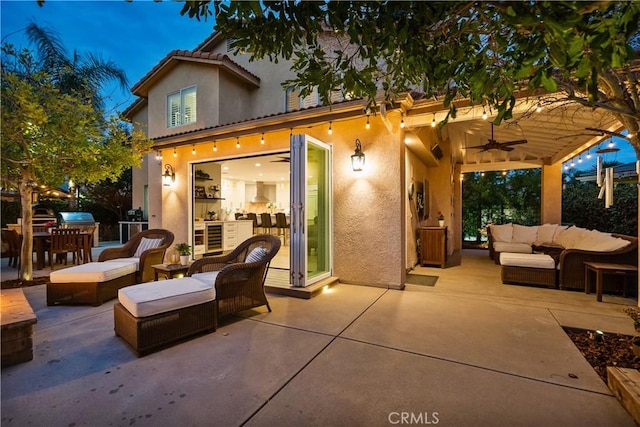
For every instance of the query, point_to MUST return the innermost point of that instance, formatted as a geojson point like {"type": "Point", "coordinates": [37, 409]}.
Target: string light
{"type": "Point", "coordinates": [262, 139]}
{"type": "Point", "coordinates": [175, 153]}
{"type": "Point", "coordinates": [572, 163]}
{"type": "Point", "coordinates": [539, 107]}
{"type": "Point", "coordinates": [566, 166]}
{"type": "Point", "coordinates": [193, 149]}
{"type": "Point", "coordinates": [484, 113]}
{"type": "Point", "coordinates": [215, 147]}
{"type": "Point", "coordinates": [611, 144]}
{"type": "Point", "coordinates": [433, 121]}
{"type": "Point", "coordinates": [402, 122]}
{"type": "Point", "coordinates": [588, 154]}
{"type": "Point", "coordinates": [237, 142]}
{"type": "Point", "coordinates": [580, 159]}
{"type": "Point", "coordinates": [368, 125]}
{"type": "Point", "coordinates": [158, 155]}
{"type": "Point", "coordinates": [330, 130]}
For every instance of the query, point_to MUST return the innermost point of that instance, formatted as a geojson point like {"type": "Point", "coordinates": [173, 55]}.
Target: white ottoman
{"type": "Point", "coordinates": [91, 283]}
{"type": "Point", "coordinates": [528, 269]}
{"type": "Point", "coordinates": [153, 315]}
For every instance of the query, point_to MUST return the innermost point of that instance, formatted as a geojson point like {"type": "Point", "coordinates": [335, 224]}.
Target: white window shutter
{"type": "Point", "coordinates": [189, 105]}
{"type": "Point", "coordinates": [173, 110]}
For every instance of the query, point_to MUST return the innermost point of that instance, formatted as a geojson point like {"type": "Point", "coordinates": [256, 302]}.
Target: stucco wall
{"type": "Point", "coordinates": [236, 100]}
{"type": "Point", "coordinates": [185, 75]}
{"type": "Point", "coordinates": [441, 193]}
{"type": "Point", "coordinates": [551, 194]}
{"type": "Point", "coordinates": [416, 172]}
{"type": "Point", "coordinates": [367, 206]}
{"type": "Point", "coordinates": [270, 98]}
{"type": "Point", "coordinates": [140, 175]}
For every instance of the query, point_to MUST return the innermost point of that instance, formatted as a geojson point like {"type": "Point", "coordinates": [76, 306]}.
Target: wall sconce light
{"type": "Point", "coordinates": [357, 158]}
{"type": "Point", "coordinates": [169, 175]}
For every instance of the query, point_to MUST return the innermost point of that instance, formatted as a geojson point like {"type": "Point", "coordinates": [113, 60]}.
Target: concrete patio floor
{"type": "Point", "coordinates": [468, 351]}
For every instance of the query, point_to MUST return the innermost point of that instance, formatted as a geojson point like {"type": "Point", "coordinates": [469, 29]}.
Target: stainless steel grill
{"type": "Point", "coordinates": [75, 219]}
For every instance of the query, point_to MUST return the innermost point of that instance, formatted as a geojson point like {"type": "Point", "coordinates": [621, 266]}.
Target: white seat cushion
{"type": "Point", "coordinates": [523, 248]}
{"type": "Point", "coordinates": [152, 298]}
{"type": "Point", "coordinates": [209, 277]}
{"type": "Point", "coordinates": [134, 260]}
{"type": "Point", "coordinates": [93, 272]}
{"type": "Point", "coordinates": [527, 260]}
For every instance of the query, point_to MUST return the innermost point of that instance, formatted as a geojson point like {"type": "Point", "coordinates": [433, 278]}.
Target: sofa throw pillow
{"type": "Point", "coordinates": [502, 233]}
{"type": "Point", "coordinates": [545, 234]}
{"type": "Point", "coordinates": [146, 244]}
{"type": "Point", "coordinates": [524, 234]}
{"type": "Point", "coordinates": [257, 254]}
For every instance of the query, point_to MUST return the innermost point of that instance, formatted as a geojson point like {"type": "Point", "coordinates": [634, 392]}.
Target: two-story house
{"type": "Point", "coordinates": [232, 140]}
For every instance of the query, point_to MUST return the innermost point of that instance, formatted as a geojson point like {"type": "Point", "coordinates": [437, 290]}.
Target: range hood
{"type": "Point", "coordinates": [259, 197]}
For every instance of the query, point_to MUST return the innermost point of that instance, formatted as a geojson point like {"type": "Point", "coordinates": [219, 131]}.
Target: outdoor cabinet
{"type": "Point", "coordinates": [433, 246]}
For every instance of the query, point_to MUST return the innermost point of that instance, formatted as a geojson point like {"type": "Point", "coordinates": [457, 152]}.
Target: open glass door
{"type": "Point", "coordinates": [311, 222]}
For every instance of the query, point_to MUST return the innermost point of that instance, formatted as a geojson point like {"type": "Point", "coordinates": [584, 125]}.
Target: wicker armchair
{"type": "Point", "coordinates": [239, 285]}
{"type": "Point", "coordinates": [148, 257]}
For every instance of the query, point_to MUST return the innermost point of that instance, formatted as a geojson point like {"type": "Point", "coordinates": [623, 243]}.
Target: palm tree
{"type": "Point", "coordinates": [84, 75]}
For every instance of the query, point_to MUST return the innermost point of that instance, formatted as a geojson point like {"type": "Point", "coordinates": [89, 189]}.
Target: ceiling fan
{"type": "Point", "coordinates": [495, 145]}
{"type": "Point", "coordinates": [283, 159]}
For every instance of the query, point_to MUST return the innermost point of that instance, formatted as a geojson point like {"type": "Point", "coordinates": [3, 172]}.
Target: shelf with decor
{"type": "Point", "coordinates": [209, 198]}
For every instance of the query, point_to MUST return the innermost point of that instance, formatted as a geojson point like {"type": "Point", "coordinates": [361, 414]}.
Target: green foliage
{"type": "Point", "coordinates": [485, 51]}
{"type": "Point", "coordinates": [581, 207]}
{"type": "Point", "coordinates": [494, 197]}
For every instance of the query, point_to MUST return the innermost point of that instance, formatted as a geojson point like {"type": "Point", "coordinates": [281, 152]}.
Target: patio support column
{"type": "Point", "coordinates": [551, 194]}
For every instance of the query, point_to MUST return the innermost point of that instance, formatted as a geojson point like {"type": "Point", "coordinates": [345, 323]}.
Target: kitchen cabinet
{"type": "Point", "coordinates": [215, 237]}
{"type": "Point", "coordinates": [433, 246]}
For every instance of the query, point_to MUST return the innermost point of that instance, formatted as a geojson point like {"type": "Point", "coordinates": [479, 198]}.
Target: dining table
{"type": "Point", "coordinates": [40, 243]}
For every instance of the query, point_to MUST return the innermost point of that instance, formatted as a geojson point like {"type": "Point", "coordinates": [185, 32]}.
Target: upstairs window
{"type": "Point", "coordinates": [294, 101]}
{"type": "Point", "coordinates": [181, 107]}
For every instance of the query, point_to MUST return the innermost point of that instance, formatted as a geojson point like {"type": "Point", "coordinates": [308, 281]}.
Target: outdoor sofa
{"type": "Point", "coordinates": [569, 246]}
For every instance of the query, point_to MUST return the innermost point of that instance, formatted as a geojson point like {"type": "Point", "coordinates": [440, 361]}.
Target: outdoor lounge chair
{"type": "Point", "coordinates": [239, 282]}
{"type": "Point", "coordinates": [145, 259]}
{"type": "Point", "coordinates": [152, 316]}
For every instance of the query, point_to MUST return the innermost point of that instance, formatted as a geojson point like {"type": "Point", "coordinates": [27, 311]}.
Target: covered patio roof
{"type": "Point", "coordinates": [554, 131]}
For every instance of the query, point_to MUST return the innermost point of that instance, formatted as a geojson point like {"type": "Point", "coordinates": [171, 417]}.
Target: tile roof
{"type": "Point", "coordinates": [248, 120]}
{"type": "Point", "coordinates": [186, 55]}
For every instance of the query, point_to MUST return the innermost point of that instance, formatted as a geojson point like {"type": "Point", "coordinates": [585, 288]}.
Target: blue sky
{"type": "Point", "coordinates": [135, 35]}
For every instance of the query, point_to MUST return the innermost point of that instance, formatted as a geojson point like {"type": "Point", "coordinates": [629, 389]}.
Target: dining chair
{"type": "Point", "coordinates": [267, 225]}
{"type": "Point", "coordinates": [14, 243]}
{"type": "Point", "coordinates": [63, 241]}
{"type": "Point", "coordinates": [282, 226]}
{"type": "Point", "coordinates": [87, 233]}
{"type": "Point", "coordinates": [252, 216]}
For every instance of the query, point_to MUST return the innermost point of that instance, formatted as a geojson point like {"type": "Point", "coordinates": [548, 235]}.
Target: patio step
{"type": "Point", "coordinates": [304, 293]}
{"type": "Point", "coordinates": [625, 385]}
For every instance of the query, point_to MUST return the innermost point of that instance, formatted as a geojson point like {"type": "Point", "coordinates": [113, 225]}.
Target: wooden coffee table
{"type": "Point", "coordinates": [602, 268]}
{"type": "Point", "coordinates": [169, 270]}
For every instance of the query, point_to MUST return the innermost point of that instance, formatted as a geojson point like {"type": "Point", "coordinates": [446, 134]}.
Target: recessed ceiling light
{"type": "Point", "coordinates": [226, 168]}
{"type": "Point", "coordinates": [258, 165]}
